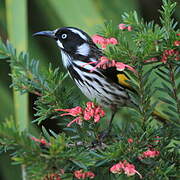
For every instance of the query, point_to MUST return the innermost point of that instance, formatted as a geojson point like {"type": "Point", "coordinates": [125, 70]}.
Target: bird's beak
{"type": "Point", "coordinates": [50, 34]}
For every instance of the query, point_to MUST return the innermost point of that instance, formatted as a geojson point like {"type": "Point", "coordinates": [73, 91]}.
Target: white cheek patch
{"type": "Point", "coordinates": [83, 49]}
{"type": "Point", "coordinates": [59, 44]}
{"type": "Point", "coordinates": [79, 33]}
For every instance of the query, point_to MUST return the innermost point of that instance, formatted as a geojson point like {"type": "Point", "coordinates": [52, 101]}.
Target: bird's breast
{"type": "Point", "coordinates": [93, 84]}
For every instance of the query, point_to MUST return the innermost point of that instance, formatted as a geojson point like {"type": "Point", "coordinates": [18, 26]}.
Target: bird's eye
{"type": "Point", "coordinates": [64, 36]}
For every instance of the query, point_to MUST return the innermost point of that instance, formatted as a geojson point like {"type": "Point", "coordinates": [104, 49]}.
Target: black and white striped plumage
{"type": "Point", "coordinates": [77, 49]}
{"type": "Point", "coordinates": [107, 86]}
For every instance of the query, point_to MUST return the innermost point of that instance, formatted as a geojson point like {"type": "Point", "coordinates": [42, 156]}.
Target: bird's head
{"type": "Point", "coordinates": [71, 40]}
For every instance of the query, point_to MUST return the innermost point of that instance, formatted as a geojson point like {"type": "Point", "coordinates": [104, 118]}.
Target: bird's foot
{"type": "Point", "coordinates": [101, 139]}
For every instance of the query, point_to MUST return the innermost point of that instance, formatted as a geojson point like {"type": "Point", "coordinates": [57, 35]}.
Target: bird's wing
{"type": "Point", "coordinates": [118, 77]}
{"type": "Point", "coordinates": [121, 77]}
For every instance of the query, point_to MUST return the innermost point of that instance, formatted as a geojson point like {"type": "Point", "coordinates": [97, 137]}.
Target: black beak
{"type": "Point", "coordinates": [50, 34]}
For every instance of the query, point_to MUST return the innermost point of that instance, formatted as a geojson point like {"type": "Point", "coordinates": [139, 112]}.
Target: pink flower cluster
{"type": "Point", "coordinates": [170, 52]}
{"type": "Point", "coordinates": [104, 41]}
{"type": "Point", "coordinates": [167, 53]}
{"type": "Point", "coordinates": [149, 154]}
{"type": "Point", "coordinates": [125, 26]}
{"type": "Point", "coordinates": [91, 111]}
{"type": "Point", "coordinates": [41, 141]}
{"type": "Point", "coordinates": [79, 174]}
{"type": "Point", "coordinates": [105, 63]}
{"type": "Point", "coordinates": [127, 168]}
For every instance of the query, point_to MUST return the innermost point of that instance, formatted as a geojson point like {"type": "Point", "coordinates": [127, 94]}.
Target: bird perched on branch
{"type": "Point", "coordinates": [80, 55]}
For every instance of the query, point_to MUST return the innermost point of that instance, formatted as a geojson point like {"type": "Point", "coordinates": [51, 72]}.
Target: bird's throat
{"type": "Point", "coordinates": [66, 59]}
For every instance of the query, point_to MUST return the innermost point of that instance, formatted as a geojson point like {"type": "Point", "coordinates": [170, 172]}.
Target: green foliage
{"type": "Point", "coordinates": [48, 86]}
{"type": "Point", "coordinates": [170, 75]}
{"type": "Point", "coordinates": [81, 146]}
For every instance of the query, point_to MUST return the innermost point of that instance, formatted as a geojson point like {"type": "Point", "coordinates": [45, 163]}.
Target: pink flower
{"type": "Point", "coordinates": [122, 26]}
{"type": "Point", "coordinates": [130, 140]}
{"type": "Point", "coordinates": [99, 112]}
{"type": "Point", "coordinates": [125, 26]}
{"type": "Point", "coordinates": [151, 60]}
{"type": "Point", "coordinates": [170, 52]}
{"type": "Point", "coordinates": [177, 43]}
{"type": "Point", "coordinates": [73, 112]}
{"type": "Point", "coordinates": [121, 66]}
{"type": "Point", "coordinates": [129, 28]}
{"type": "Point", "coordinates": [41, 141]}
{"type": "Point", "coordinates": [105, 63]}
{"type": "Point", "coordinates": [117, 168]}
{"type": "Point", "coordinates": [103, 60]}
{"type": "Point", "coordinates": [104, 41]}
{"type": "Point", "coordinates": [130, 170]}
{"type": "Point", "coordinates": [77, 111]}
{"type": "Point", "coordinates": [90, 175]}
{"type": "Point", "coordinates": [77, 120]}
{"type": "Point", "coordinates": [150, 153]}
{"type": "Point", "coordinates": [127, 168]}
{"type": "Point", "coordinates": [178, 34]}
{"type": "Point", "coordinates": [88, 114]}
{"type": "Point", "coordinates": [91, 111]}
{"type": "Point", "coordinates": [112, 41]}
{"type": "Point", "coordinates": [79, 174]}
{"type": "Point", "coordinates": [90, 105]}
{"type": "Point", "coordinates": [98, 39]}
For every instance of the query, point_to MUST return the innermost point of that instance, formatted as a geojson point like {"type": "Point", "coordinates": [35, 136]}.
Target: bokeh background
{"type": "Point", "coordinates": [19, 19]}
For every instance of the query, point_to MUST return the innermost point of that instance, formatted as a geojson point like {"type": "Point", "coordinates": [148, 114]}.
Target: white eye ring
{"type": "Point", "coordinates": [64, 36]}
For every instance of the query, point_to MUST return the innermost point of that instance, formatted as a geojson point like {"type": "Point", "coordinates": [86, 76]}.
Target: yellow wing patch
{"type": "Point", "coordinates": [122, 80]}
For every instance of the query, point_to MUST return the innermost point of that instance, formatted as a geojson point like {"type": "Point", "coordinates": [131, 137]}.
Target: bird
{"type": "Point", "coordinates": [108, 87]}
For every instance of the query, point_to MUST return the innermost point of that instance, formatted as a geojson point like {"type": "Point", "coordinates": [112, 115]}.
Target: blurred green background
{"type": "Point", "coordinates": [19, 19]}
